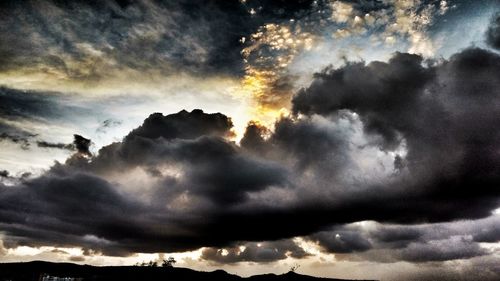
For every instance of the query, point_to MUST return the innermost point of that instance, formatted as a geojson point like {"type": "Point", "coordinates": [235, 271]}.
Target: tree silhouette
{"type": "Point", "coordinates": [169, 262]}
{"type": "Point", "coordinates": [294, 267]}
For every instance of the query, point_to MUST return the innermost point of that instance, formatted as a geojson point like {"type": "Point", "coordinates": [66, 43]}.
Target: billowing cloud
{"type": "Point", "coordinates": [78, 46]}
{"type": "Point", "coordinates": [196, 182]}
{"type": "Point", "coordinates": [453, 159]}
{"type": "Point", "coordinates": [198, 176]}
{"type": "Point", "coordinates": [197, 171]}
{"type": "Point", "coordinates": [64, 208]}
{"type": "Point", "coordinates": [372, 162]}
{"type": "Point", "coordinates": [272, 54]}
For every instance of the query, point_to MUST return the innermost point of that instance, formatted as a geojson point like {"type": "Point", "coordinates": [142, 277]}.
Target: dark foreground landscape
{"type": "Point", "coordinates": [46, 271]}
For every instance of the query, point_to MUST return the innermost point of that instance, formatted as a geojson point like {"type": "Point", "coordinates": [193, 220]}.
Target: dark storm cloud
{"type": "Point", "coordinates": [215, 175]}
{"type": "Point", "coordinates": [493, 32]}
{"type": "Point", "coordinates": [445, 115]}
{"type": "Point", "coordinates": [341, 241]}
{"type": "Point", "coordinates": [145, 144]}
{"type": "Point", "coordinates": [63, 208]}
{"type": "Point", "coordinates": [83, 39]}
{"type": "Point", "coordinates": [488, 234]}
{"type": "Point", "coordinates": [183, 125]}
{"type": "Point", "coordinates": [253, 139]}
{"type": "Point", "coordinates": [296, 137]}
{"type": "Point", "coordinates": [25, 139]}
{"type": "Point", "coordinates": [291, 142]}
{"type": "Point", "coordinates": [450, 249]}
{"type": "Point", "coordinates": [46, 144]}
{"type": "Point", "coordinates": [82, 145]}
{"type": "Point", "coordinates": [401, 236]}
{"type": "Point", "coordinates": [213, 167]}
{"type": "Point", "coordinates": [255, 252]}
{"type": "Point", "coordinates": [200, 189]}
{"type": "Point", "coordinates": [389, 87]}
{"type": "Point", "coordinates": [419, 243]}
{"type": "Point", "coordinates": [4, 174]}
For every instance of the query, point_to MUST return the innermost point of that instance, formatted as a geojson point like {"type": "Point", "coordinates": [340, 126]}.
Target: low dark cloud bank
{"type": "Point", "coordinates": [255, 252]}
{"type": "Point", "coordinates": [413, 243]}
{"type": "Point", "coordinates": [177, 182]}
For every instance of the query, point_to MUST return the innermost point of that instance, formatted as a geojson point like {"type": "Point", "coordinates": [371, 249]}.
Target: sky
{"type": "Point", "coordinates": [353, 139]}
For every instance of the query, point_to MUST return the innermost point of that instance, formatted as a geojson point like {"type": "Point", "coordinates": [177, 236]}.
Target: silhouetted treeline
{"type": "Point", "coordinates": [33, 271]}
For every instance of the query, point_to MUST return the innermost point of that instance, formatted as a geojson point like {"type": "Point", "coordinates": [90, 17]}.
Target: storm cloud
{"type": "Point", "coordinates": [383, 165]}
{"type": "Point", "coordinates": [417, 243]}
{"type": "Point", "coordinates": [442, 115]}
{"type": "Point", "coordinates": [213, 175]}
{"type": "Point", "coordinates": [85, 41]}
{"type": "Point", "coordinates": [405, 141]}
{"type": "Point", "coordinates": [255, 252]}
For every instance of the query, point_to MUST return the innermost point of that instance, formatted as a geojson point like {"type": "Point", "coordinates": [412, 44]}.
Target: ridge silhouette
{"type": "Point", "coordinates": [35, 270]}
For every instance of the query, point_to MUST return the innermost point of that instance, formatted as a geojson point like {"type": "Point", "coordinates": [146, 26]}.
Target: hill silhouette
{"type": "Point", "coordinates": [34, 271]}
